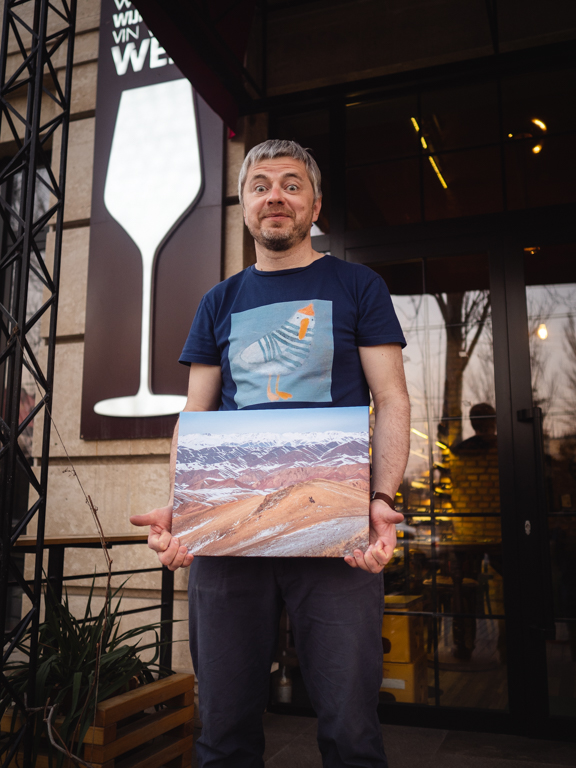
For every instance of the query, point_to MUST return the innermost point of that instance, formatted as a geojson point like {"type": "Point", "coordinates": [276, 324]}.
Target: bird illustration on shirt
{"type": "Point", "coordinates": [281, 351]}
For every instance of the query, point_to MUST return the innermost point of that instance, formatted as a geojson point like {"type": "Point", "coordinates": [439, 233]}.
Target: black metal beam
{"type": "Point", "coordinates": [25, 36]}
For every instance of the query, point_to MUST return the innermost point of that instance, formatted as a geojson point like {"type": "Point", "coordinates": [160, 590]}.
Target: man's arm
{"type": "Point", "coordinates": [204, 390]}
{"type": "Point", "coordinates": [384, 371]}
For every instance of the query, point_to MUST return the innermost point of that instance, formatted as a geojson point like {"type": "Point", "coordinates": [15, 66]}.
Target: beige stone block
{"type": "Point", "coordinates": [87, 18]}
{"type": "Point", "coordinates": [79, 169]}
{"type": "Point", "coordinates": [124, 557]}
{"type": "Point", "coordinates": [66, 408]}
{"type": "Point", "coordinates": [118, 488]}
{"type": "Point", "coordinates": [19, 104]}
{"type": "Point", "coordinates": [73, 279]}
{"type": "Point", "coordinates": [87, 15]}
{"type": "Point", "coordinates": [234, 239]}
{"type": "Point", "coordinates": [85, 49]}
{"type": "Point", "coordinates": [84, 81]}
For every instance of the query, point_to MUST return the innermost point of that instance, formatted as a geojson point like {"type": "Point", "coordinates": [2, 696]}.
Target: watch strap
{"type": "Point", "coordinates": [384, 496]}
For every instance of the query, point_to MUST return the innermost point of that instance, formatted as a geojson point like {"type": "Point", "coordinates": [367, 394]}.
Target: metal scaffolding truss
{"type": "Point", "coordinates": [36, 59]}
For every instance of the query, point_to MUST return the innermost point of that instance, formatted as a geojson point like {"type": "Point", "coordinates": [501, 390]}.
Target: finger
{"type": "Point", "coordinates": [361, 560]}
{"type": "Point", "coordinates": [350, 560]}
{"type": "Point", "coordinates": [388, 553]}
{"type": "Point", "coordinates": [170, 554]}
{"type": "Point", "coordinates": [160, 543]}
{"type": "Point", "coordinates": [148, 519]}
{"type": "Point", "coordinates": [180, 558]}
{"type": "Point", "coordinates": [374, 559]}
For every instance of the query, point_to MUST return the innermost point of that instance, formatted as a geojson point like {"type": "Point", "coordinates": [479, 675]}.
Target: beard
{"type": "Point", "coordinates": [281, 239]}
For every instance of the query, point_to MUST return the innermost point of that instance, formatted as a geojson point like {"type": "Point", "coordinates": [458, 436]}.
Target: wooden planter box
{"type": "Point", "coordinates": [125, 736]}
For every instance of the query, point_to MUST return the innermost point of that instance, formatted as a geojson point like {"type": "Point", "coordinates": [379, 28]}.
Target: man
{"type": "Point", "coordinates": [335, 606]}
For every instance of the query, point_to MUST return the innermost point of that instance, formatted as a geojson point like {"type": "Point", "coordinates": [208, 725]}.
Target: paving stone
{"type": "Point", "coordinates": [411, 746]}
{"type": "Point", "coordinates": [512, 748]}
{"type": "Point", "coordinates": [282, 730]}
{"type": "Point", "coordinates": [291, 743]}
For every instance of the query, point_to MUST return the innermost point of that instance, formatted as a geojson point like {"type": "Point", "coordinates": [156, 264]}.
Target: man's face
{"type": "Point", "coordinates": [279, 206]}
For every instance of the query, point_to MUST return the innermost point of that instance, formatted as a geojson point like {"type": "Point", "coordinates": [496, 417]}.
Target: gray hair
{"type": "Point", "coordinates": [272, 148]}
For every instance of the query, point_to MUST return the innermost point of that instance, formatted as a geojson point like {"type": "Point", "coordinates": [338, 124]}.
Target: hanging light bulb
{"type": "Point", "coordinates": [542, 331]}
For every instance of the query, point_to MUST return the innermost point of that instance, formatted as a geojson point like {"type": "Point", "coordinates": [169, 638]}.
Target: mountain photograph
{"type": "Point", "coordinates": [283, 483]}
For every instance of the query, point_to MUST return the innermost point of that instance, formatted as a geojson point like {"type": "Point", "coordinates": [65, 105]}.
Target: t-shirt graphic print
{"type": "Point", "coordinates": [282, 352]}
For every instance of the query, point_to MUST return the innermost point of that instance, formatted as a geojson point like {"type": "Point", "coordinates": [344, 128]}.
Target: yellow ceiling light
{"type": "Point", "coordinates": [437, 172]}
{"type": "Point", "coordinates": [441, 445]}
{"type": "Point", "coordinates": [540, 124]}
{"type": "Point", "coordinates": [542, 331]}
{"type": "Point", "coordinates": [420, 434]}
{"type": "Point", "coordinates": [537, 149]}
{"type": "Point", "coordinates": [430, 158]}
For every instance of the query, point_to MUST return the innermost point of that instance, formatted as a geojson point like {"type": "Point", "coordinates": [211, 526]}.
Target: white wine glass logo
{"type": "Point", "coordinates": [154, 176]}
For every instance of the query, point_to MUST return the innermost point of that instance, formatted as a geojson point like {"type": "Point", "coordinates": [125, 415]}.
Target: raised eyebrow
{"type": "Point", "coordinates": [265, 177]}
{"type": "Point", "coordinates": [292, 175]}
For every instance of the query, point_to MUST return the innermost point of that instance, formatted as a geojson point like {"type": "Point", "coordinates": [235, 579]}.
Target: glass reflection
{"type": "Point", "coordinates": [553, 364]}
{"type": "Point", "coordinates": [445, 581]}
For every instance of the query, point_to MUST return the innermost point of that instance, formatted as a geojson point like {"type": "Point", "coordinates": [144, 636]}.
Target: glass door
{"type": "Point", "coordinates": [444, 632]}
{"type": "Point", "coordinates": [550, 277]}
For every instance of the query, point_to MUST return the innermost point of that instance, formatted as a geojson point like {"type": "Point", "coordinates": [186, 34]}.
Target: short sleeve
{"type": "Point", "coordinates": [201, 346]}
{"type": "Point", "coordinates": [377, 321]}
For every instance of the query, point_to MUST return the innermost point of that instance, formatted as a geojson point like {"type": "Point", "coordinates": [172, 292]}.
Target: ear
{"type": "Point", "coordinates": [316, 208]}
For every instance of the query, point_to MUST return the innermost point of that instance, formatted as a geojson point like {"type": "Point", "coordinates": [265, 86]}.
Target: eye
{"type": "Point", "coordinates": [260, 188]}
{"type": "Point", "coordinates": [292, 187]}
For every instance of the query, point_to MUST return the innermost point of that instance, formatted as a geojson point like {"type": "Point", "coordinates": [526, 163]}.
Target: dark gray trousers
{"type": "Point", "coordinates": [336, 617]}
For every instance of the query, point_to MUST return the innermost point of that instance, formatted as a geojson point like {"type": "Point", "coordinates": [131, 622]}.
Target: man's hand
{"type": "Point", "coordinates": [383, 521]}
{"type": "Point", "coordinates": [160, 538]}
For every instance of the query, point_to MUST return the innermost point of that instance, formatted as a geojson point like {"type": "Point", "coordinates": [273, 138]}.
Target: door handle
{"type": "Point", "coordinates": [535, 416]}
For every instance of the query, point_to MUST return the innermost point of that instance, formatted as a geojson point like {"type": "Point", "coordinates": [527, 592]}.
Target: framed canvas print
{"type": "Point", "coordinates": [281, 483]}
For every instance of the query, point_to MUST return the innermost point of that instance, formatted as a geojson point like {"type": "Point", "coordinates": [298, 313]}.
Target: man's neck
{"type": "Point", "coordinates": [300, 256]}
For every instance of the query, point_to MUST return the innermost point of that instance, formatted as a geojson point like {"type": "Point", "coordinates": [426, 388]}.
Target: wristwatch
{"type": "Point", "coordinates": [384, 496]}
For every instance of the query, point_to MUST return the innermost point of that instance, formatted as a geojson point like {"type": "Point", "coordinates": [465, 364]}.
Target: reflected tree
{"type": "Point", "coordinates": [570, 371]}
{"type": "Point", "coordinates": [464, 314]}
{"type": "Point", "coordinates": [543, 303]}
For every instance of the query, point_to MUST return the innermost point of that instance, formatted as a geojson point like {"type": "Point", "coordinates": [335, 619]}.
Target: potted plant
{"type": "Point", "coordinates": [83, 662]}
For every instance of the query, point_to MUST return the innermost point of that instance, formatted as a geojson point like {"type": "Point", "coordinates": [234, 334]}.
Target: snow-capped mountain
{"type": "Point", "coordinates": [198, 441]}
{"type": "Point", "coordinates": [216, 469]}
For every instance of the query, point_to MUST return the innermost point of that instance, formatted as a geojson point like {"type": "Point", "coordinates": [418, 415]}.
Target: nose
{"type": "Point", "coordinates": [276, 195]}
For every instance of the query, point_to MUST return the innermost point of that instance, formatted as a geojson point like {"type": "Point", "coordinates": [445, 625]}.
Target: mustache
{"type": "Point", "coordinates": [281, 212]}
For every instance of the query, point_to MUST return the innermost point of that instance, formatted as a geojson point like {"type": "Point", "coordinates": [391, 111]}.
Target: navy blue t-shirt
{"type": "Point", "coordinates": [290, 338]}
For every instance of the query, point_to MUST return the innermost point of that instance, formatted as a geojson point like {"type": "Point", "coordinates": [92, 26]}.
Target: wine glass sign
{"type": "Point", "coordinates": [154, 177]}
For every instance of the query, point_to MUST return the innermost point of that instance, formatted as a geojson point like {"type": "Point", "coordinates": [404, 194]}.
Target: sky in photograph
{"type": "Point", "coordinates": [277, 421]}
